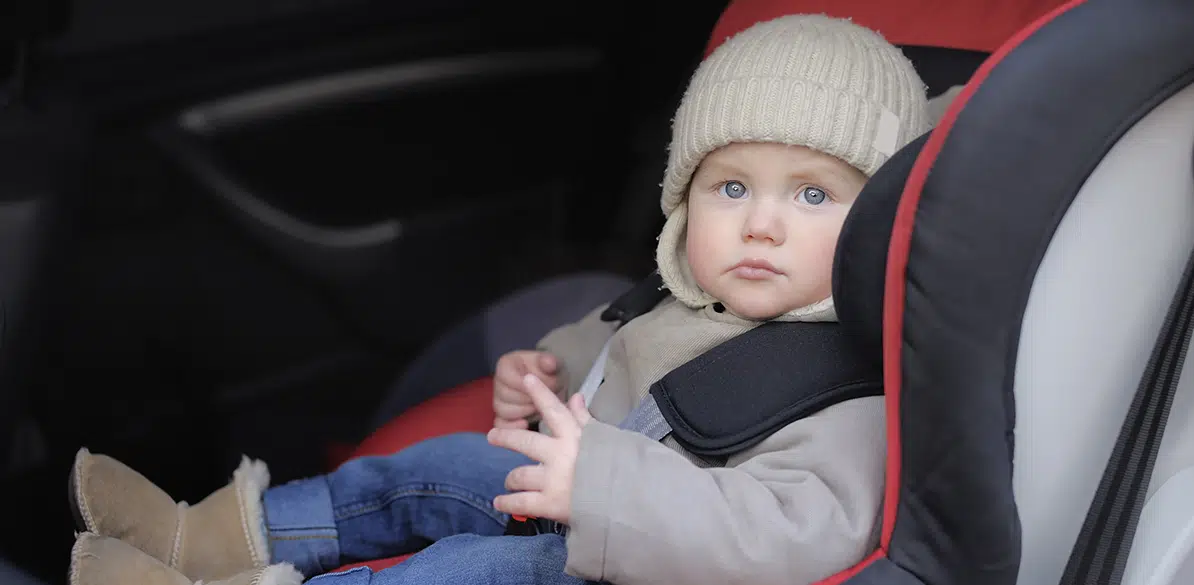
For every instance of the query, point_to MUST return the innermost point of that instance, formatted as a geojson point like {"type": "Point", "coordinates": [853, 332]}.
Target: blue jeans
{"type": "Point", "coordinates": [439, 491]}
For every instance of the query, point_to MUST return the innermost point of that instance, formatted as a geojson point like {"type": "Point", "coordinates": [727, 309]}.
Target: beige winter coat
{"type": "Point", "coordinates": [798, 507]}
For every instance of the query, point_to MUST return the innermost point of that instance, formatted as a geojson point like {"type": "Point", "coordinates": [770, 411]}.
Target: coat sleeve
{"type": "Point", "coordinates": [800, 506]}
{"type": "Point", "coordinates": [577, 346]}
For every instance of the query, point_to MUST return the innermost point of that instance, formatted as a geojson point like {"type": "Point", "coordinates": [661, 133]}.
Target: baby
{"type": "Point", "coordinates": [778, 131]}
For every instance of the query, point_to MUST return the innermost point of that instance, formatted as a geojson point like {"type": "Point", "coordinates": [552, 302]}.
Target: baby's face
{"type": "Point", "coordinates": [763, 224]}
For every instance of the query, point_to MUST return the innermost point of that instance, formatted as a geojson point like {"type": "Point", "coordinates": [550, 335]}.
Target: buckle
{"type": "Point", "coordinates": [529, 526]}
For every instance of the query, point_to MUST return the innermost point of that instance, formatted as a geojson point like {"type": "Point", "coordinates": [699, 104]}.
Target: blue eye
{"type": "Point", "coordinates": [733, 190]}
{"type": "Point", "coordinates": [812, 195]}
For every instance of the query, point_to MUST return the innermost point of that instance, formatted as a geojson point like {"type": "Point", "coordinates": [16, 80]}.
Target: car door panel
{"type": "Point", "coordinates": [357, 166]}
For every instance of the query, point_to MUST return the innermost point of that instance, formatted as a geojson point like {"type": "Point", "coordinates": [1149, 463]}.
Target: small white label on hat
{"type": "Point", "coordinates": [887, 133]}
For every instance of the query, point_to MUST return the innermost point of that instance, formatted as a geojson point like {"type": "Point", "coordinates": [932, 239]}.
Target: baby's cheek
{"type": "Point", "coordinates": [825, 263]}
{"type": "Point", "coordinates": [700, 263]}
{"type": "Point", "coordinates": [814, 256]}
{"type": "Point", "coordinates": [701, 252]}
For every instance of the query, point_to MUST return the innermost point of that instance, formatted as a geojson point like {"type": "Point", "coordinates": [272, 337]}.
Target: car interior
{"type": "Point", "coordinates": [226, 221]}
{"type": "Point", "coordinates": [233, 228]}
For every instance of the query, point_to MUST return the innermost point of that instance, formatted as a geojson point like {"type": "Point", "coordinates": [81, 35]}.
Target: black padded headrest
{"type": "Point", "coordinates": [860, 265]}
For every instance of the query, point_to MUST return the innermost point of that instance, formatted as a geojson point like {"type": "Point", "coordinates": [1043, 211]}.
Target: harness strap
{"type": "Point", "coordinates": [638, 300]}
{"type": "Point", "coordinates": [596, 374]}
{"type": "Point", "coordinates": [647, 419]}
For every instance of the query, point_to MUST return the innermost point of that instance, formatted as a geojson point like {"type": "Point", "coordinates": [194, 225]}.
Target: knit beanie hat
{"type": "Point", "coordinates": [803, 80]}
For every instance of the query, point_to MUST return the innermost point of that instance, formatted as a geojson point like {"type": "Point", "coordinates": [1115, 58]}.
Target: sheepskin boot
{"type": "Point", "coordinates": [221, 536]}
{"type": "Point", "coordinates": [100, 560]}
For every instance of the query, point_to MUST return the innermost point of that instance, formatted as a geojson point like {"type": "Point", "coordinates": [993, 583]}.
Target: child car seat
{"type": "Point", "coordinates": [1000, 265]}
{"type": "Point", "coordinates": [1024, 292]}
{"type": "Point", "coordinates": [1066, 289]}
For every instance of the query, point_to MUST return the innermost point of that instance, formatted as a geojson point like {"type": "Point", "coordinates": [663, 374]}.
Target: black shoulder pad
{"type": "Point", "coordinates": [735, 395]}
{"type": "Point", "coordinates": [642, 297]}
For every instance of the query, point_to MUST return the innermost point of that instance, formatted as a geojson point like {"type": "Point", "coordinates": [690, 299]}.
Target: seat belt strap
{"type": "Point", "coordinates": [596, 374]}
{"type": "Point", "coordinates": [641, 298]}
{"type": "Point", "coordinates": [1101, 553]}
{"type": "Point", "coordinates": [647, 419]}
{"type": "Point", "coordinates": [638, 300]}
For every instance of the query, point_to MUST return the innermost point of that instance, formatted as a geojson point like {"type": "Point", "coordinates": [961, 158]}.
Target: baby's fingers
{"type": "Point", "coordinates": [505, 423]}
{"type": "Point", "coordinates": [577, 405]}
{"type": "Point", "coordinates": [522, 504]}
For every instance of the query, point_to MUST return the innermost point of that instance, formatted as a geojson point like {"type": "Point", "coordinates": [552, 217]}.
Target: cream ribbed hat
{"type": "Point", "coordinates": [804, 80]}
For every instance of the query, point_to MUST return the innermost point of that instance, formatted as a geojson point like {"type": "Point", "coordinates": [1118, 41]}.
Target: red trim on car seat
{"type": "Point", "coordinates": [955, 24]}
{"type": "Point", "coordinates": [897, 265]}
{"type": "Point", "coordinates": [842, 577]}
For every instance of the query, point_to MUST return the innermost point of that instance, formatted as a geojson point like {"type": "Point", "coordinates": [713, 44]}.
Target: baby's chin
{"type": "Point", "coordinates": [758, 300]}
{"type": "Point", "coordinates": [759, 309]}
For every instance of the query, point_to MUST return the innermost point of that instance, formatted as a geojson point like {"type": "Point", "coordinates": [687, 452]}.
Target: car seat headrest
{"type": "Point", "coordinates": [860, 264]}
{"type": "Point", "coordinates": [972, 26]}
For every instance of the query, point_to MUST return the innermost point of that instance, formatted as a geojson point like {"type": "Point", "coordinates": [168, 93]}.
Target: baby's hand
{"type": "Point", "coordinates": [544, 490]}
{"type": "Point", "coordinates": [511, 404]}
